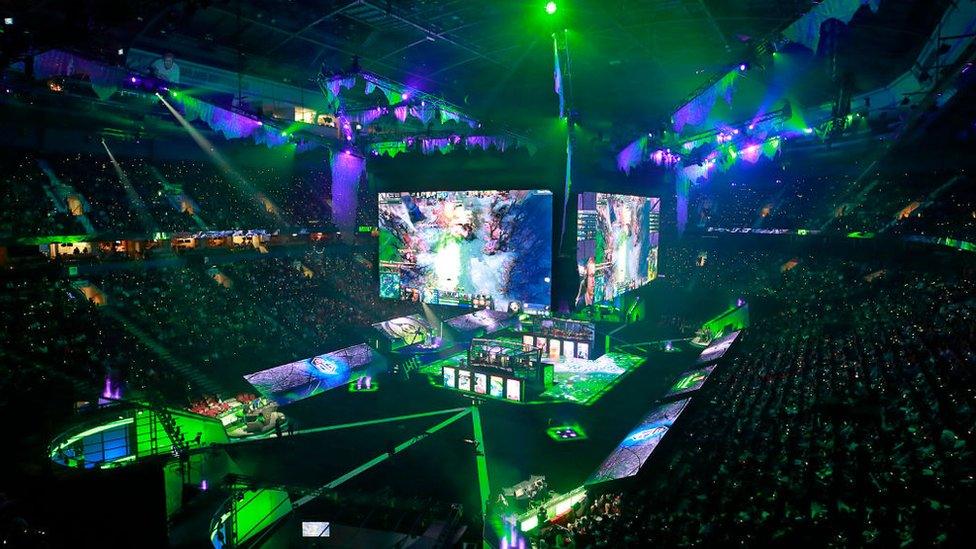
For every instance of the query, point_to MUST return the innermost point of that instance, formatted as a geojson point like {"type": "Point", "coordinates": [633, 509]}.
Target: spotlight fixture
{"type": "Point", "coordinates": [121, 51]}
{"type": "Point", "coordinates": [550, 8]}
{"type": "Point", "coordinates": [358, 126]}
{"type": "Point", "coordinates": [808, 131]}
{"type": "Point", "coordinates": [404, 96]}
{"type": "Point", "coordinates": [743, 67]}
{"type": "Point", "coordinates": [8, 20]}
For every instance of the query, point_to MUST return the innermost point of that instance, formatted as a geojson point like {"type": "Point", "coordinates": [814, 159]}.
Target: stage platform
{"type": "Point", "coordinates": [412, 433]}
{"type": "Point", "coordinates": [577, 381]}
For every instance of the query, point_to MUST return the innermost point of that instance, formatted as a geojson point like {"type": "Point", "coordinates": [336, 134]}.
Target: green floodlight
{"type": "Point", "coordinates": [550, 8]}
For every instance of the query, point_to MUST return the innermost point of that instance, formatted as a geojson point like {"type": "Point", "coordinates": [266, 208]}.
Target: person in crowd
{"type": "Point", "coordinates": [166, 69]}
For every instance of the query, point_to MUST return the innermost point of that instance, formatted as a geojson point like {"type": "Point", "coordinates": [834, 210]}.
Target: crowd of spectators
{"type": "Point", "coordinates": [27, 210]}
{"type": "Point", "coordinates": [328, 295]}
{"type": "Point", "coordinates": [767, 196]}
{"type": "Point", "coordinates": [214, 405]}
{"type": "Point", "coordinates": [938, 203]}
{"type": "Point", "coordinates": [160, 323]}
{"type": "Point", "coordinates": [197, 319]}
{"type": "Point", "coordinates": [235, 318]}
{"type": "Point", "coordinates": [845, 419]}
{"type": "Point", "coordinates": [951, 214]}
{"type": "Point", "coordinates": [51, 336]}
{"type": "Point", "coordinates": [140, 197]}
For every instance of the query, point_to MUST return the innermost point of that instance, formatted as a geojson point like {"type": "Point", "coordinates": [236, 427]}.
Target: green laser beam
{"type": "Point", "coordinates": [364, 423]}
{"type": "Point", "coordinates": [481, 460]}
{"type": "Point", "coordinates": [382, 457]}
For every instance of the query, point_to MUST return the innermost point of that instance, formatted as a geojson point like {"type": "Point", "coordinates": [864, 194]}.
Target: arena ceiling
{"type": "Point", "coordinates": [632, 61]}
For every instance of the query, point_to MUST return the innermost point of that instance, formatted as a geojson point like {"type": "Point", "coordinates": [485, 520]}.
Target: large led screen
{"type": "Point", "coordinates": [406, 330]}
{"type": "Point", "coordinates": [489, 249]}
{"type": "Point", "coordinates": [629, 456]}
{"type": "Point", "coordinates": [308, 377]}
{"type": "Point", "coordinates": [717, 348]}
{"type": "Point", "coordinates": [484, 321]}
{"type": "Point", "coordinates": [690, 381]}
{"type": "Point", "coordinates": [616, 244]}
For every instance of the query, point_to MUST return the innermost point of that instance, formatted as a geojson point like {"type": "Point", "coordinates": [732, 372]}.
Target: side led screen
{"type": "Point", "coordinates": [316, 529]}
{"type": "Point", "coordinates": [513, 389]}
{"type": "Point", "coordinates": [308, 377]}
{"type": "Point", "coordinates": [616, 244]}
{"type": "Point", "coordinates": [718, 348]}
{"type": "Point", "coordinates": [406, 330]}
{"type": "Point", "coordinates": [629, 456]}
{"type": "Point", "coordinates": [490, 249]}
{"type": "Point", "coordinates": [690, 381]}
{"type": "Point", "coordinates": [449, 375]}
{"type": "Point", "coordinates": [497, 387]}
{"type": "Point", "coordinates": [464, 380]}
{"type": "Point", "coordinates": [485, 321]}
{"type": "Point", "coordinates": [480, 384]}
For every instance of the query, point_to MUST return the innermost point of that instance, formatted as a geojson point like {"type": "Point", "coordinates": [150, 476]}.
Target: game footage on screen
{"type": "Point", "coordinates": [470, 248]}
{"type": "Point", "coordinates": [617, 245]}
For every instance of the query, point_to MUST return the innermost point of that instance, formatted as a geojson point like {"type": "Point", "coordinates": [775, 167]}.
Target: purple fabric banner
{"type": "Point", "coordinates": [664, 157]}
{"type": "Point", "coordinates": [423, 112]}
{"type": "Point", "coordinates": [104, 80]}
{"type": "Point", "coordinates": [484, 142]}
{"type": "Point", "coordinates": [228, 123]}
{"type": "Point", "coordinates": [335, 85]}
{"type": "Point", "coordinates": [697, 110]}
{"type": "Point", "coordinates": [347, 170]}
{"type": "Point", "coordinates": [632, 155]}
{"type": "Point", "coordinates": [368, 116]}
{"type": "Point", "coordinates": [401, 113]}
{"type": "Point", "coordinates": [442, 145]}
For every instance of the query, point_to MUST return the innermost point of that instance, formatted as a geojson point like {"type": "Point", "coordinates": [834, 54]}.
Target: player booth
{"type": "Point", "coordinates": [558, 338]}
{"type": "Point", "coordinates": [500, 369]}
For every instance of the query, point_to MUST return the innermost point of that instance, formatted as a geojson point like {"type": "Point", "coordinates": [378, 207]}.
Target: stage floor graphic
{"type": "Point", "coordinates": [585, 381]}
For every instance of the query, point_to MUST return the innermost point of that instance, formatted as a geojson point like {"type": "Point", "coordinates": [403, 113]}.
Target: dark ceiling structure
{"type": "Point", "coordinates": [633, 61]}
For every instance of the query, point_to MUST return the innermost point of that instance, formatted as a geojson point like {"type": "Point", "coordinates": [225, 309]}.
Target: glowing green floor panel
{"type": "Point", "coordinates": [585, 381]}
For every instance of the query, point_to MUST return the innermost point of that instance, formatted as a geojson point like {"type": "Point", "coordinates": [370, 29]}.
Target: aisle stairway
{"type": "Point", "coordinates": [194, 375]}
